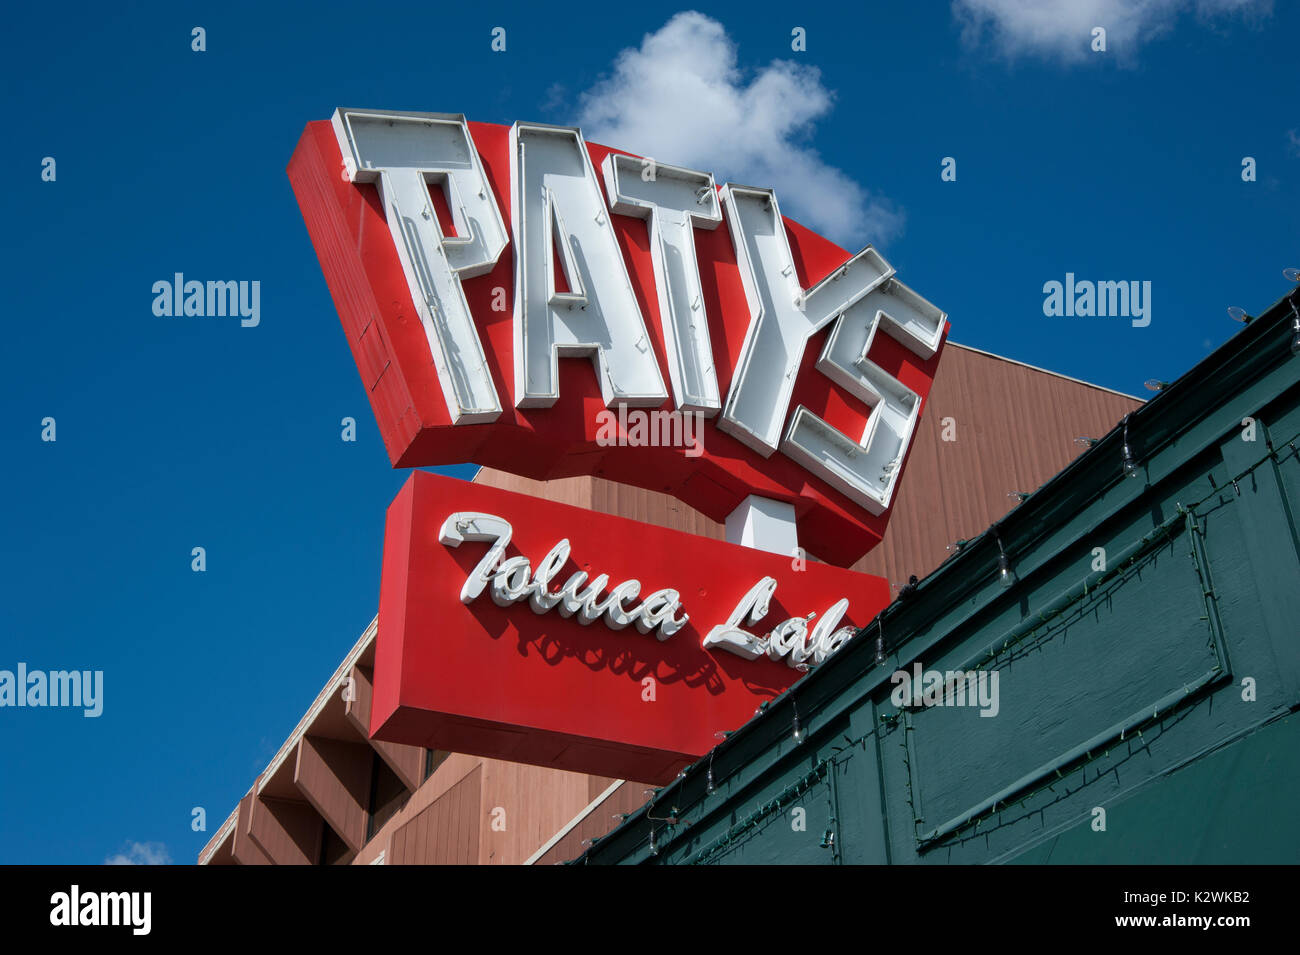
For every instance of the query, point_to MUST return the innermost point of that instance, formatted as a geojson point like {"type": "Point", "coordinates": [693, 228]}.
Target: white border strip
{"type": "Point", "coordinates": [568, 827]}
{"type": "Point", "coordinates": [1054, 374]}
{"type": "Point", "coordinates": [215, 842]}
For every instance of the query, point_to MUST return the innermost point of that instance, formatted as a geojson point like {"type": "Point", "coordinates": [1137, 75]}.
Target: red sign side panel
{"type": "Point", "coordinates": [394, 597]}
{"type": "Point", "coordinates": [510, 683]}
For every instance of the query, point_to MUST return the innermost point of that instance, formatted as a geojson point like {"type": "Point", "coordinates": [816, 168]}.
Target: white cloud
{"type": "Point", "coordinates": [681, 98]}
{"type": "Point", "coordinates": [141, 853]}
{"type": "Point", "coordinates": [1062, 29]}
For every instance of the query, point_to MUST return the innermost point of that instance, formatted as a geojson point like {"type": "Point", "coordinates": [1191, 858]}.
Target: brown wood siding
{"type": "Point", "coordinates": [528, 805]}
{"type": "Point", "coordinates": [288, 832]}
{"type": "Point", "coordinates": [574, 490]}
{"type": "Point", "coordinates": [446, 832]}
{"type": "Point", "coordinates": [629, 797]}
{"type": "Point", "coordinates": [652, 507]}
{"type": "Point", "coordinates": [1015, 429]}
{"type": "Point", "coordinates": [244, 850]}
{"type": "Point", "coordinates": [597, 785]}
{"type": "Point", "coordinates": [335, 778]}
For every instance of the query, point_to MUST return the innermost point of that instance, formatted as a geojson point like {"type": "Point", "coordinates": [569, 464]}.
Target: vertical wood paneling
{"type": "Point", "coordinates": [446, 831]}
{"type": "Point", "coordinates": [574, 490]}
{"type": "Point", "coordinates": [652, 507]}
{"type": "Point", "coordinates": [627, 798]}
{"type": "Point", "coordinates": [597, 785]}
{"type": "Point", "coordinates": [1015, 429]}
{"type": "Point", "coordinates": [537, 802]}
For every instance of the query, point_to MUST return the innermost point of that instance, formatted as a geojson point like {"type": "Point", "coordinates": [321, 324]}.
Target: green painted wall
{"type": "Point", "coordinates": [1123, 689]}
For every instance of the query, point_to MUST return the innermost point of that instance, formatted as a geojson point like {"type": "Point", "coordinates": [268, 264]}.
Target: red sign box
{"type": "Point", "coordinates": [347, 226]}
{"type": "Point", "coordinates": [514, 684]}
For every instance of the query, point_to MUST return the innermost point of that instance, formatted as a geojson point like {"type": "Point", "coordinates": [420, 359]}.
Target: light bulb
{"type": "Point", "coordinates": [654, 848]}
{"type": "Point", "coordinates": [708, 786]}
{"type": "Point", "coordinates": [1129, 462]}
{"type": "Point", "coordinates": [1238, 314]}
{"type": "Point", "coordinates": [1085, 442]}
{"type": "Point", "coordinates": [798, 736]}
{"type": "Point", "coordinates": [1005, 576]}
{"type": "Point", "coordinates": [1291, 275]}
{"type": "Point", "coordinates": [1295, 335]}
{"type": "Point", "coordinates": [1155, 384]}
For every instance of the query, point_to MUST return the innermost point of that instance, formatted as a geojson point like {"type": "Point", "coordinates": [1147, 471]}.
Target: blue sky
{"type": "Point", "coordinates": [176, 433]}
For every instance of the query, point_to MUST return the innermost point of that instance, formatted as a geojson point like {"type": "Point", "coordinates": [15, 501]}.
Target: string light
{"type": "Point", "coordinates": [798, 735]}
{"type": "Point", "coordinates": [1155, 384]}
{"type": "Point", "coordinates": [1006, 576]}
{"type": "Point", "coordinates": [1127, 459]}
{"type": "Point", "coordinates": [1086, 442]}
{"type": "Point", "coordinates": [1018, 495]}
{"type": "Point", "coordinates": [751, 822]}
{"type": "Point", "coordinates": [1291, 275]}
{"type": "Point", "coordinates": [1239, 315]}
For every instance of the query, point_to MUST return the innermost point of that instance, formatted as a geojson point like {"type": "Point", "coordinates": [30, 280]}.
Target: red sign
{"type": "Point", "coordinates": [490, 645]}
{"type": "Point", "coordinates": [501, 297]}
